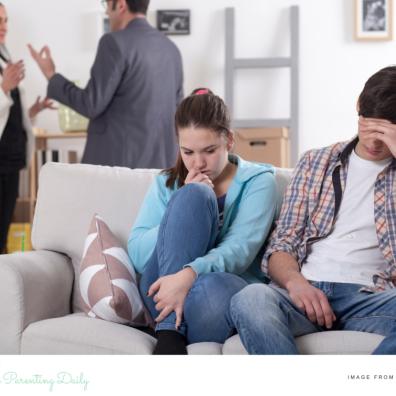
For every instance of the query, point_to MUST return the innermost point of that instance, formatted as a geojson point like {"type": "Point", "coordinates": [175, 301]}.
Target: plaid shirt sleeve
{"type": "Point", "coordinates": [290, 226]}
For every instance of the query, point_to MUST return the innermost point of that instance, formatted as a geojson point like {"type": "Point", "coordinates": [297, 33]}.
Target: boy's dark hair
{"type": "Point", "coordinates": [202, 109]}
{"type": "Point", "coordinates": [378, 98]}
{"type": "Point", "coordinates": [138, 6]}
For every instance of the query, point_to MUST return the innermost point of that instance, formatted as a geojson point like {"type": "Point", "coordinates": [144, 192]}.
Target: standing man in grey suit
{"type": "Point", "coordinates": [135, 85]}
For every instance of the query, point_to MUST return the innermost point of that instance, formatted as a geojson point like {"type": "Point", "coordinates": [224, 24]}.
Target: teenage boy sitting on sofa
{"type": "Point", "coordinates": [332, 254]}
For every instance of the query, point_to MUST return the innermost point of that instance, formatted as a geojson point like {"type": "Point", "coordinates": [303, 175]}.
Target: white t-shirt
{"type": "Point", "coordinates": [350, 254]}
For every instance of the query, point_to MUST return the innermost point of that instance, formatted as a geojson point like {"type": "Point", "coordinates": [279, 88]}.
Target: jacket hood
{"type": "Point", "coordinates": [248, 169]}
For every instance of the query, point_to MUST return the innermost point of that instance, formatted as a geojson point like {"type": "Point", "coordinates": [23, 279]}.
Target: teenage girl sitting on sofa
{"type": "Point", "coordinates": [198, 235]}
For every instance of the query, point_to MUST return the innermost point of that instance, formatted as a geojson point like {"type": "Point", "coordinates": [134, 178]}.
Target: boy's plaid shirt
{"type": "Point", "coordinates": [313, 197]}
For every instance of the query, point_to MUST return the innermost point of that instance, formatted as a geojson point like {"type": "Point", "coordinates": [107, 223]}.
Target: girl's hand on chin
{"type": "Point", "coordinates": [195, 176]}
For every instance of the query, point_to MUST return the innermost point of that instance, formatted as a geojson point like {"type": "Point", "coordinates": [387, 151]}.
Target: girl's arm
{"type": "Point", "coordinates": [143, 236]}
{"type": "Point", "coordinates": [243, 240]}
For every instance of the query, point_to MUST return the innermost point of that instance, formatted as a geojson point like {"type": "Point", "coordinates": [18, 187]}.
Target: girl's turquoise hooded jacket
{"type": "Point", "coordinates": [249, 212]}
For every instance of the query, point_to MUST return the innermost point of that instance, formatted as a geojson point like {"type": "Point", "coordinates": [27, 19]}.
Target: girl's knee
{"type": "Point", "coordinates": [195, 194]}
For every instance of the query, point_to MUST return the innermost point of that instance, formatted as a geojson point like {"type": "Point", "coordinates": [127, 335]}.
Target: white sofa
{"type": "Point", "coordinates": [36, 287]}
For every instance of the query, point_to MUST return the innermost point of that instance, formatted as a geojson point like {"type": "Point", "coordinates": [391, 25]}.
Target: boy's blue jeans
{"type": "Point", "coordinates": [187, 231]}
{"type": "Point", "coordinates": [267, 321]}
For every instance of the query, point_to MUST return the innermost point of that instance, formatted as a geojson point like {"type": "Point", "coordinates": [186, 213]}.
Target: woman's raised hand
{"type": "Point", "coordinates": [44, 61]}
{"type": "Point", "coordinates": [40, 105]}
{"type": "Point", "coordinates": [13, 74]}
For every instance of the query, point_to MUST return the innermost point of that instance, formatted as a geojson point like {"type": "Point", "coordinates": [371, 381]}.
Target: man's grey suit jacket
{"type": "Point", "coordinates": [135, 85]}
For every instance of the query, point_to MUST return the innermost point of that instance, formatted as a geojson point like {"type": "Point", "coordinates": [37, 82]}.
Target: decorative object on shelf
{"type": "Point", "coordinates": [173, 21]}
{"type": "Point", "coordinates": [106, 25]}
{"type": "Point", "coordinates": [70, 120]}
{"type": "Point", "coordinates": [373, 19]}
{"type": "Point", "coordinates": [19, 238]}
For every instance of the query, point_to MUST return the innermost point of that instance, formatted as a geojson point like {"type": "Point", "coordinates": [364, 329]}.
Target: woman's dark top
{"type": "Point", "coordinates": [13, 139]}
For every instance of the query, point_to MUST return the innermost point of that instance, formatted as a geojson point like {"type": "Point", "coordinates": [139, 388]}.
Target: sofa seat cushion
{"type": "Point", "coordinates": [80, 335]}
{"type": "Point", "coordinates": [77, 334]}
{"type": "Point", "coordinates": [324, 343]}
{"type": "Point", "coordinates": [205, 348]}
{"type": "Point", "coordinates": [338, 343]}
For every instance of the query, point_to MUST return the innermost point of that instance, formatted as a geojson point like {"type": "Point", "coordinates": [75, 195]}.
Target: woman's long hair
{"type": "Point", "coordinates": [4, 54]}
{"type": "Point", "coordinates": [202, 109]}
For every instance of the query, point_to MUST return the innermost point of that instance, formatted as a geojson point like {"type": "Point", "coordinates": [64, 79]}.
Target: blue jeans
{"type": "Point", "coordinates": [267, 321]}
{"type": "Point", "coordinates": [187, 231]}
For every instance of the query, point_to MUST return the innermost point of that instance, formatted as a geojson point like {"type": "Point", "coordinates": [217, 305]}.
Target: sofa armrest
{"type": "Point", "coordinates": [33, 286]}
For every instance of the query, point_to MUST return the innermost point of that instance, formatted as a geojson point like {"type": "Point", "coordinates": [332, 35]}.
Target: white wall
{"type": "Point", "coordinates": [333, 67]}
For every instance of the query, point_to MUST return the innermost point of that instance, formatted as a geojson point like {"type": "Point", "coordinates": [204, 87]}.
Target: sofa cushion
{"type": "Point", "coordinates": [282, 177]}
{"type": "Point", "coordinates": [321, 343]}
{"type": "Point", "coordinates": [70, 194]}
{"type": "Point", "coordinates": [338, 343]}
{"type": "Point", "coordinates": [107, 279]}
{"type": "Point", "coordinates": [204, 348]}
{"type": "Point", "coordinates": [233, 346]}
{"type": "Point", "coordinates": [80, 335]}
{"type": "Point", "coordinates": [77, 334]}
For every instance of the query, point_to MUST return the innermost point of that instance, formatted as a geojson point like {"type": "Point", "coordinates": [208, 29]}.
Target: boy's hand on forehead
{"type": "Point", "coordinates": [380, 129]}
{"type": "Point", "coordinates": [372, 122]}
{"type": "Point", "coordinates": [195, 176]}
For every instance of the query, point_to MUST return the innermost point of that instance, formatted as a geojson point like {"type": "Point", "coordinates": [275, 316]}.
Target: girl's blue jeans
{"type": "Point", "coordinates": [188, 230]}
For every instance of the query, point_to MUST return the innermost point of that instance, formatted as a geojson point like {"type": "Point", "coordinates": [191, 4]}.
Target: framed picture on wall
{"type": "Point", "coordinates": [173, 21]}
{"type": "Point", "coordinates": [373, 20]}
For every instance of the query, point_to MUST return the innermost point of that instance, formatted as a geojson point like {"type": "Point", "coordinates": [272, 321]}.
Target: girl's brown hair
{"type": "Point", "coordinates": [202, 109]}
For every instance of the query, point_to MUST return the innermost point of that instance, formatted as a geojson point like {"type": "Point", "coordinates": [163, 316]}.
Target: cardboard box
{"type": "Point", "coordinates": [270, 145]}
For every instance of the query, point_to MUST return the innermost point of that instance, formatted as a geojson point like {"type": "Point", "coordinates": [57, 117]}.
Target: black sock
{"type": "Point", "coordinates": [170, 342]}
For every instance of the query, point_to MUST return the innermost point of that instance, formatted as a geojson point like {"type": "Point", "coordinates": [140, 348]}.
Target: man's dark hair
{"type": "Point", "coordinates": [138, 6]}
{"type": "Point", "coordinates": [378, 98]}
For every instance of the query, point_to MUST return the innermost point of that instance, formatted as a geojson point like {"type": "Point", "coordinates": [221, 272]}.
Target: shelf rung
{"type": "Point", "coordinates": [258, 63]}
{"type": "Point", "coordinates": [262, 123]}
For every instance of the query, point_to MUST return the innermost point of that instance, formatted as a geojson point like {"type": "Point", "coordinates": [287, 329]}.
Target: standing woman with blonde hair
{"type": "Point", "coordinates": [16, 139]}
{"type": "Point", "coordinates": [197, 238]}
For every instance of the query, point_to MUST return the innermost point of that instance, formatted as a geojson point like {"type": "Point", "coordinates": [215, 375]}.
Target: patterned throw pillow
{"type": "Point", "coordinates": [108, 283]}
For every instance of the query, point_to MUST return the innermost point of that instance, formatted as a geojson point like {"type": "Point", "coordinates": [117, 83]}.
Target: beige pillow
{"type": "Point", "coordinates": [108, 285]}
